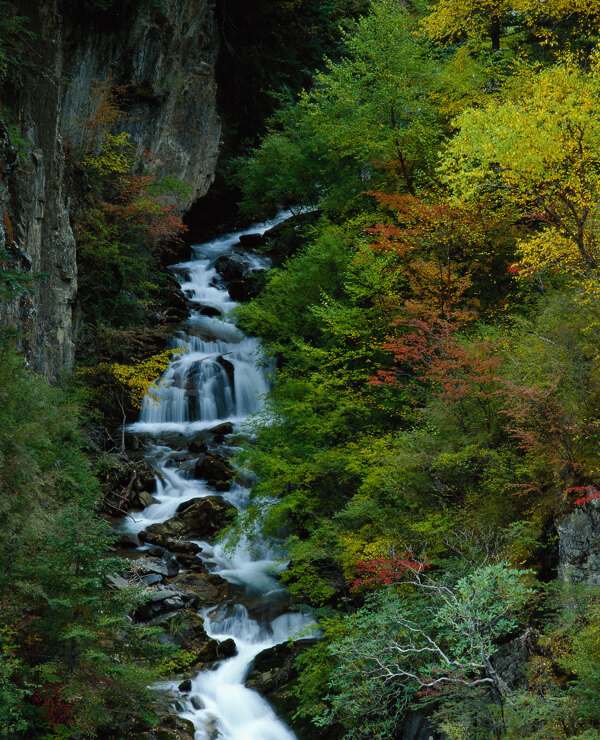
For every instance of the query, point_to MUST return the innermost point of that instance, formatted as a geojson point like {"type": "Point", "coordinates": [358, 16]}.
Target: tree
{"type": "Point", "coordinates": [450, 20]}
{"type": "Point", "coordinates": [536, 150]}
{"type": "Point", "coordinates": [371, 115]}
{"type": "Point", "coordinates": [405, 647]}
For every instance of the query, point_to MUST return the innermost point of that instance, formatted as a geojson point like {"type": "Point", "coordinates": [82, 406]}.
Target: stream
{"type": "Point", "coordinates": [218, 379]}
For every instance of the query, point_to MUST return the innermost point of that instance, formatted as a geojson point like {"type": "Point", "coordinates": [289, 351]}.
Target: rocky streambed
{"type": "Point", "coordinates": [224, 606]}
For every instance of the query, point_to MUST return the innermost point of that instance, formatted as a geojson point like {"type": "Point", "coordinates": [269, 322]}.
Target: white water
{"type": "Point", "coordinates": [197, 394]}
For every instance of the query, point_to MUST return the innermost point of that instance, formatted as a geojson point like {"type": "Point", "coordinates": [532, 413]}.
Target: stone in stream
{"type": "Point", "coordinates": [126, 541]}
{"type": "Point", "coordinates": [206, 588]}
{"type": "Point", "coordinates": [198, 519]}
{"type": "Point", "coordinates": [185, 686]}
{"type": "Point", "coordinates": [198, 445]}
{"type": "Point", "coordinates": [215, 470]}
{"type": "Point", "coordinates": [195, 640]}
{"type": "Point", "coordinates": [173, 544]}
{"type": "Point", "coordinates": [246, 288]}
{"type": "Point", "coordinates": [222, 429]}
{"type": "Point", "coordinates": [170, 727]}
{"type": "Point", "coordinates": [230, 370]}
{"type": "Point", "coordinates": [210, 311]}
{"type": "Point", "coordinates": [231, 267]}
{"type": "Point", "coordinates": [197, 703]}
{"type": "Point", "coordinates": [227, 648]}
{"type": "Point", "coordinates": [252, 241]}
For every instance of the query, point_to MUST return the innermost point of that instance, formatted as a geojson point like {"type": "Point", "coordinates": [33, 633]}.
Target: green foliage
{"type": "Point", "coordinates": [401, 646]}
{"type": "Point", "coordinates": [71, 663]}
{"type": "Point", "coordinates": [370, 112]}
{"type": "Point", "coordinates": [424, 399]}
{"type": "Point", "coordinates": [13, 34]}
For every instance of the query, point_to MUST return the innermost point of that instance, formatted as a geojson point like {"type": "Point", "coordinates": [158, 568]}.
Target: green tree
{"type": "Point", "coordinates": [402, 647]}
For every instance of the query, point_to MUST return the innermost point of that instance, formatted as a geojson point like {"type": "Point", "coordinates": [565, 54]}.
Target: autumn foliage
{"type": "Point", "coordinates": [382, 571]}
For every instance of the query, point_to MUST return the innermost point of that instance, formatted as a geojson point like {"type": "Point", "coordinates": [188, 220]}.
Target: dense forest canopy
{"type": "Point", "coordinates": [436, 326]}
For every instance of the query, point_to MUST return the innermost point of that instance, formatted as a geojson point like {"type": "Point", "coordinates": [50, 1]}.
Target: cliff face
{"type": "Point", "coordinates": [168, 58]}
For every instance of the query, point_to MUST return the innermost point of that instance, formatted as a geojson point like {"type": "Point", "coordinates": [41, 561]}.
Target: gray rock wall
{"type": "Point", "coordinates": [579, 544]}
{"type": "Point", "coordinates": [170, 59]}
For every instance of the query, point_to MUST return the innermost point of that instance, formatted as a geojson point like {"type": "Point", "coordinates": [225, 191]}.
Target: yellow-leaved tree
{"type": "Point", "coordinates": [477, 19]}
{"type": "Point", "coordinates": [131, 384]}
{"type": "Point", "coordinates": [537, 149]}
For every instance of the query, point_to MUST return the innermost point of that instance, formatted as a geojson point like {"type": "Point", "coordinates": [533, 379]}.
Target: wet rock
{"type": "Point", "coordinates": [197, 703]}
{"type": "Point", "coordinates": [185, 686]}
{"type": "Point", "coordinates": [166, 567]}
{"type": "Point", "coordinates": [214, 469]}
{"type": "Point", "coordinates": [230, 370]}
{"type": "Point", "coordinates": [196, 641]}
{"type": "Point", "coordinates": [191, 562]}
{"type": "Point", "coordinates": [152, 579]}
{"type": "Point", "coordinates": [171, 564]}
{"type": "Point", "coordinates": [146, 499]}
{"type": "Point", "coordinates": [231, 267]}
{"type": "Point", "coordinates": [126, 542]}
{"type": "Point", "coordinates": [209, 311]}
{"type": "Point", "coordinates": [170, 727]}
{"type": "Point", "coordinates": [206, 588]}
{"type": "Point", "coordinates": [198, 445]}
{"type": "Point", "coordinates": [227, 648]}
{"type": "Point", "coordinates": [252, 241]}
{"type": "Point", "coordinates": [161, 601]}
{"type": "Point", "coordinates": [173, 544]}
{"type": "Point", "coordinates": [272, 674]}
{"type": "Point", "coordinates": [245, 288]}
{"type": "Point", "coordinates": [222, 429]}
{"type": "Point", "coordinates": [199, 519]}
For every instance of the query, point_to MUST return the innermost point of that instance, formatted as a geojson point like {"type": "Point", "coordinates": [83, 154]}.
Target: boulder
{"type": "Point", "coordinates": [152, 579]}
{"type": "Point", "coordinates": [197, 642]}
{"type": "Point", "coordinates": [214, 469]}
{"type": "Point", "coordinates": [579, 544]}
{"type": "Point", "coordinates": [198, 445]}
{"type": "Point", "coordinates": [197, 703]}
{"type": "Point", "coordinates": [185, 686]}
{"type": "Point", "coordinates": [173, 544]}
{"type": "Point", "coordinates": [246, 288]}
{"type": "Point", "coordinates": [198, 519]}
{"type": "Point", "coordinates": [230, 370]}
{"type": "Point", "coordinates": [208, 311]}
{"type": "Point", "coordinates": [161, 601]}
{"type": "Point", "coordinates": [227, 648]}
{"type": "Point", "coordinates": [145, 499]}
{"type": "Point", "coordinates": [252, 241]}
{"type": "Point", "coordinates": [231, 267]}
{"type": "Point", "coordinates": [206, 588]}
{"type": "Point", "coordinates": [222, 429]}
{"type": "Point", "coordinates": [170, 727]}
{"type": "Point", "coordinates": [127, 542]}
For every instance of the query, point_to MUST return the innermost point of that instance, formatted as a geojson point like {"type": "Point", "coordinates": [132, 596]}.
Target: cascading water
{"type": "Point", "coordinates": [217, 379]}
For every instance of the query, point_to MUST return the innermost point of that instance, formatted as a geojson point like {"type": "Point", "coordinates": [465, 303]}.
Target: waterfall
{"type": "Point", "coordinates": [217, 379]}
